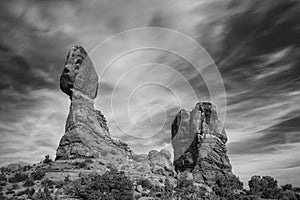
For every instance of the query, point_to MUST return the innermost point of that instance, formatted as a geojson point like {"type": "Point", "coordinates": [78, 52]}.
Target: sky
{"type": "Point", "coordinates": [247, 63]}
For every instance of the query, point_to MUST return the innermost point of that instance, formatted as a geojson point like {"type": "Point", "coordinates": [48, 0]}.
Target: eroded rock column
{"type": "Point", "coordinates": [86, 132]}
{"type": "Point", "coordinates": [199, 143]}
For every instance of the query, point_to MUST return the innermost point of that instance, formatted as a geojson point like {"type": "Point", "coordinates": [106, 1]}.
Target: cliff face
{"type": "Point", "coordinates": [86, 132]}
{"type": "Point", "coordinates": [199, 143]}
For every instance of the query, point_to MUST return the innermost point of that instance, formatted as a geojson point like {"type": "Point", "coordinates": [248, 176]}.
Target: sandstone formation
{"type": "Point", "coordinates": [86, 132]}
{"type": "Point", "coordinates": [199, 143]}
{"type": "Point", "coordinates": [160, 162]}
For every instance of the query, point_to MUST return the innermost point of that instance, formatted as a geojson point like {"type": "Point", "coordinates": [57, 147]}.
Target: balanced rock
{"type": "Point", "coordinates": [199, 143]}
{"type": "Point", "coordinates": [86, 132]}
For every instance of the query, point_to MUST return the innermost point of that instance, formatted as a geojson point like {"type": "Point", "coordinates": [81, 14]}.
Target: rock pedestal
{"type": "Point", "coordinates": [86, 132]}
{"type": "Point", "coordinates": [199, 143]}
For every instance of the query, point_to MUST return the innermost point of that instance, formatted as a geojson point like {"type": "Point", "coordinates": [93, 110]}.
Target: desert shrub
{"type": "Point", "coordinates": [110, 185]}
{"type": "Point", "coordinates": [255, 185]}
{"type": "Point", "coordinates": [47, 159]}
{"type": "Point", "coordinates": [141, 169]}
{"type": "Point", "coordinates": [43, 195]}
{"type": "Point", "coordinates": [47, 183]}
{"type": "Point", "coordinates": [296, 189]}
{"type": "Point", "coordinates": [184, 183]}
{"type": "Point", "coordinates": [266, 187]}
{"type": "Point", "coordinates": [67, 179]}
{"type": "Point", "coordinates": [269, 187]}
{"type": "Point", "coordinates": [226, 186]}
{"type": "Point", "coordinates": [10, 192]}
{"type": "Point", "coordinates": [18, 177]}
{"type": "Point", "coordinates": [80, 164]}
{"type": "Point", "coordinates": [38, 174]}
{"type": "Point", "coordinates": [5, 170]}
{"type": "Point", "coordinates": [3, 180]}
{"type": "Point", "coordinates": [168, 190]}
{"type": "Point", "coordinates": [287, 187]}
{"type": "Point", "coordinates": [28, 191]}
{"type": "Point", "coordinates": [83, 164]}
{"type": "Point", "coordinates": [145, 183]}
{"type": "Point", "coordinates": [59, 184]}
{"type": "Point", "coordinates": [286, 195]}
{"type": "Point", "coordinates": [28, 183]}
{"type": "Point", "coordinates": [15, 186]}
{"type": "Point", "coordinates": [185, 190]}
{"type": "Point", "coordinates": [2, 197]}
{"type": "Point", "coordinates": [26, 168]}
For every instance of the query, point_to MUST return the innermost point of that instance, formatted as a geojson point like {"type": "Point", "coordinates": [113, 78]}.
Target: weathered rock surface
{"type": "Point", "coordinates": [79, 74]}
{"type": "Point", "coordinates": [102, 121]}
{"type": "Point", "coordinates": [87, 146]}
{"type": "Point", "coordinates": [160, 162]}
{"type": "Point", "coordinates": [199, 143]}
{"type": "Point", "coordinates": [86, 132]}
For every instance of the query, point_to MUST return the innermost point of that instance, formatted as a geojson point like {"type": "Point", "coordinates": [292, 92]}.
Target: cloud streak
{"type": "Point", "coordinates": [255, 45]}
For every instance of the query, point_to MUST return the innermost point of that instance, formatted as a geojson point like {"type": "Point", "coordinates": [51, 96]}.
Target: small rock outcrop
{"type": "Point", "coordinates": [86, 132]}
{"type": "Point", "coordinates": [199, 143]}
{"type": "Point", "coordinates": [160, 162]}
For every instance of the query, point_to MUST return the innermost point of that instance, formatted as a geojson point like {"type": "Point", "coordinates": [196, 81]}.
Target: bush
{"type": "Point", "coordinates": [255, 185]}
{"type": "Point", "coordinates": [186, 190]}
{"type": "Point", "coordinates": [226, 186]}
{"type": "Point", "coordinates": [266, 187]}
{"type": "Point", "coordinates": [38, 175]}
{"type": "Point", "coordinates": [10, 192]}
{"type": "Point", "coordinates": [287, 187]}
{"type": "Point", "coordinates": [47, 183]}
{"type": "Point", "coordinates": [43, 195]}
{"type": "Point", "coordinates": [26, 168]}
{"type": "Point", "coordinates": [145, 183]}
{"type": "Point", "coordinates": [59, 184]}
{"type": "Point", "coordinates": [83, 164]}
{"type": "Point", "coordinates": [3, 178]}
{"type": "Point", "coordinates": [47, 159]}
{"type": "Point", "coordinates": [15, 186]}
{"type": "Point", "coordinates": [18, 177]}
{"type": "Point", "coordinates": [168, 190]}
{"type": "Point", "coordinates": [80, 165]}
{"type": "Point", "coordinates": [111, 185]}
{"type": "Point", "coordinates": [28, 191]}
{"type": "Point", "coordinates": [287, 195]}
{"type": "Point", "coordinates": [28, 183]}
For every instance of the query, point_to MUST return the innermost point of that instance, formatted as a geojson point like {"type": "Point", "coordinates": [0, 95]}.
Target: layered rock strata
{"type": "Point", "coordinates": [86, 132]}
{"type": "Point", "coordinates": [199, 143]}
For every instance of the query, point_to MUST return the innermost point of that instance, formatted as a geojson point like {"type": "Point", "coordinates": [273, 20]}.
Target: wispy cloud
{"type": "Point", "coordinates": [254, 43]}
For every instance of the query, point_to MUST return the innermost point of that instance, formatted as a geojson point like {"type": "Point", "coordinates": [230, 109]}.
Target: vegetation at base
{"type": "Point", "coordinates": [266, 187]}
{"type": "Point", "coordinates": [38, 175]}
{"type": "Point", "coordinates": [28, 191]}
{"type": "Point", "coordinates": [28, 183]}
{"type": "Point", "coordinates": [227, 186]}
{"type": "Point", "coordinates": [18, 177]}
{"type": "Point", "coordinates": [47, 159]}
{"type": "Point", "coordinates": [110, 185]}
{"type": "Point", "coordinates": [116, 185]}
{"type": "Point", "coordinates": [83, 164]}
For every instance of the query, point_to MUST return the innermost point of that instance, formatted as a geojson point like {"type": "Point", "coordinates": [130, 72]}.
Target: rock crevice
{"type": "Point", "coordinates": [199, 143]}
{"type": "Point", "coordinates": [86, 131]}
